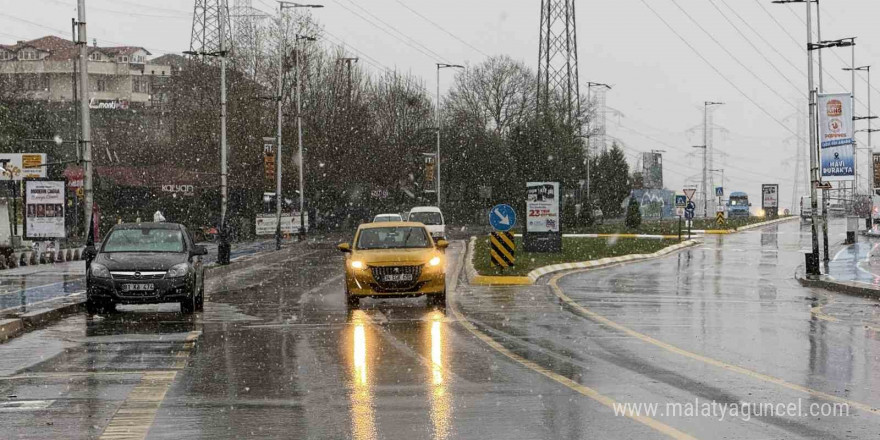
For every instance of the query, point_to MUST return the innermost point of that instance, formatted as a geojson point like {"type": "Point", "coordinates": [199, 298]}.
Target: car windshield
{"type": "Point", "coordinates": [144, 240]}
{"type": "Point", "coordinates": [386, 218]}
{"type": "Point", "coordinates": [402, 237]}
{"type": "Point", "coordinates": [738, 201]}
{"type": "Point", "coordinates": [427, 218]}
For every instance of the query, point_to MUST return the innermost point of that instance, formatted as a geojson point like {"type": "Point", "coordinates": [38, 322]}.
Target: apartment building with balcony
{"type": "Point", "coordinates": [45, 69]}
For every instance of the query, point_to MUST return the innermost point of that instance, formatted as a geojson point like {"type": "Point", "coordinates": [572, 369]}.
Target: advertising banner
{"type": "Point", "coordinates": [877, 173]}
{"type": "Point", "coordinates": [44, 210]}
{"type": "Point", "coordinates": [269, 158]}
{"type": "Point", "coordinates": [770, 197]}
{"type": "Point", "coordinates": [429, 179]}
{"type": "Point", "coordinates": [836, 137]}
{"type": "Point", "coordinates": [542, 206]}
{"type": "Point", "coordinates": [22, 166]}
{"type": "Point", "coordinates": [290, 224]}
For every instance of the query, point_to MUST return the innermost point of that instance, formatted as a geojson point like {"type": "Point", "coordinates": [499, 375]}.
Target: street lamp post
{"type": "Point", "coordinates": [706, 152]}
{"type": "Point", "coordinates": [299, 129]}
{"type": "Point", "coordinates": [705, 202]}
{"type": "Point", "coordinates": [813, 262]}
{"type": "Point", "coordinates": [870, 116]}
{"type": "Point", "coordinates": [224, 247]}
{"type": "Point", "coordinates": [282, 5]}
{"type": "Point", "coordinates": [437, 157]}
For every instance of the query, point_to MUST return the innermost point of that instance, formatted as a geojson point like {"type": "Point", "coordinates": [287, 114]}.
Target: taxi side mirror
{"type": "Point", "coordinates": [344, 247]}
{"type": "Point", "coordinates": [442, 244]}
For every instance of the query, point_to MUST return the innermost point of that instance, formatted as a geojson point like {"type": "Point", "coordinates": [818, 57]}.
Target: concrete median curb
{"type": "Point", "coordinates": [499, 280]}
{"type": "Point", "coordinates": [829, 283]}
{"type": "Point", "coordinates": [10, 328]}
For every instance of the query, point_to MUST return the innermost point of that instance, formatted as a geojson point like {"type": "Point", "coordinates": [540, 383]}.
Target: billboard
{"type": "Point", "coordinates": [542, 206]}
{"type": "Point", "coordinates": [770, 197]}
{"type": "Point", "coordinates": [876, 173]}
{"type": "Point", "coordinates": [266, 223]}
{"type": "Point", "coordinates": [836, 137]}
{"type": "Point", "coordinates": [22, 166]}
{"type": "Point", "coordinates": [44, 210]}
{"type": "Point", "coordinates": [269, 158]}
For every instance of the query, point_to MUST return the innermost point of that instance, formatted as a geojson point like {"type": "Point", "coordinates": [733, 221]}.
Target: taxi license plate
{"type": "Point", "coordinates": [398, 277]}
{"type": "Point", "coordinates": [138, 287]}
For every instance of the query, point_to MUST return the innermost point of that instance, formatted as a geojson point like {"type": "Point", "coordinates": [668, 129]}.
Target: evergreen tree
{"type": "Point", "coordinates": [633, 214]}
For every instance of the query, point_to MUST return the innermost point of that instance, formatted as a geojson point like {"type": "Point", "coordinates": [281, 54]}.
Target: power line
{"type": "Point", "coordinates": [718, 71]}
{"type": "Point", "coordinates": [764, 40]}
{"type": "Point", "coordinates": [730, 54]}
{"type": "Point", "coordinates": [414, 44]}
{"type": "Point", "coordinates": [188, 16]}
{"type": "Point", "coordinates": [442, 28]}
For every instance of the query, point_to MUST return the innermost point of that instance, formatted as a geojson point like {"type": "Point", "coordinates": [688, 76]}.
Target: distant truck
{"type": "Point", "coordinates": [738, 205]}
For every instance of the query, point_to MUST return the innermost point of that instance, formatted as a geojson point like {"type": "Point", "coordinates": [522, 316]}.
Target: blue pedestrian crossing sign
{"type": "Point", "coordinates": [680, 201]}
{"type": "Point", "coordinates": [502, 218]}
{"type": "Point", "coordinates": [719, 191]}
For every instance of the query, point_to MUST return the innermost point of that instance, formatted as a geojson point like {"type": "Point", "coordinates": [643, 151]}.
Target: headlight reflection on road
{"type": "Point", "coordinates": [441, 409]}
{"type": "Point", "coordinates": [363, 418]}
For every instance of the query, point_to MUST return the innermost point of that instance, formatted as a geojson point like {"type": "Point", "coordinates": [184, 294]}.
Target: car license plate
{"type": "Point", "coordinates": [398, 277]}
{"type": "Point", "coordinates": [138, 287]}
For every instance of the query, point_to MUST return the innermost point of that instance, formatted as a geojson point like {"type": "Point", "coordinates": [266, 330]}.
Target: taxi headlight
{"type": "Point", "coordinates": [178, 270]}
{"type": "Point", "coordinates": [100, 271]}
{"type": "Point", "coordinates": [357, 264]}
{"type": "Point", "coordinates": [434, 262]}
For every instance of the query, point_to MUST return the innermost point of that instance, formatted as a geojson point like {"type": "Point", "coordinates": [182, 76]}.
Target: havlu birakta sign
{"type": "Point", "coordinates": [542, 206]}
{"type": "Point", "coordinates": [836, 137]}
{"type": "Point", "coordinates": [44, 209]}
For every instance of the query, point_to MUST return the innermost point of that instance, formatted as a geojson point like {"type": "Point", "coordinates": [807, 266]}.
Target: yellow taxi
{"type": "Point", "coordinates": [394, 259]}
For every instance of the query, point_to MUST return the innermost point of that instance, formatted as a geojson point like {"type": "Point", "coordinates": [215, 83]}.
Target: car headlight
{"type": "Point", "coordinates": [178, 270]}
{"type": "Point", "coordinates": [357, 264]}
{"type": "Point", "coordinates": [100, 271]}
{"type": "Point", "coordinates": [434, 261]}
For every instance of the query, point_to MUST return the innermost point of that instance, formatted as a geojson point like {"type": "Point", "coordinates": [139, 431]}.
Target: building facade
{"type": "Point", "coordinates": [45, 69]}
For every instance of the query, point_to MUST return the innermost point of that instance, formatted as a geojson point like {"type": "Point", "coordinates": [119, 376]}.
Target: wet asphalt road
{"type": "Point", "coordinates": [277, 354]}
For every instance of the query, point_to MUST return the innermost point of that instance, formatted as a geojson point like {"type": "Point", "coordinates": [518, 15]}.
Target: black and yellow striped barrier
{"type": "Point", "coordinates": [502, 249]}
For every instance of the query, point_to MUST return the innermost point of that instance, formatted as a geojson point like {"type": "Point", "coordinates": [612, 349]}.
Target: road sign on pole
{"type": "Point", "coordinates": [689, 193]}
{"type": "Point", "coordinates": [719, 218]}
{"type": "Point", "coordinates": [680, 201]}
{"type": "Point", "coordinates": [719, 191]}
{"type": "Point", "coordinates": [502, 218]}
{"type": "Point", "coordinates": [502, 249]}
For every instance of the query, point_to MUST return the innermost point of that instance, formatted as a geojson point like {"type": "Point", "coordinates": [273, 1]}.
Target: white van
{"type": "Point", "coordinates": [431, 217]}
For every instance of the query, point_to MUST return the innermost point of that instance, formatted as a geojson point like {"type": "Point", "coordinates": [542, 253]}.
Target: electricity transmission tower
{"type": "Point", "coordinates": [558, 60]}
{"type": "Point", "coordinates": [211, 28]}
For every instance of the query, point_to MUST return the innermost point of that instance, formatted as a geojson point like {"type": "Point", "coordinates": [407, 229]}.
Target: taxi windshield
{"type": "Point", "coordinates": [401, 237]}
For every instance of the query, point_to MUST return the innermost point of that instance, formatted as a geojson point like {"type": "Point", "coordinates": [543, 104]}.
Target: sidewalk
{"type": "Point", "coordinates": [854, 269]}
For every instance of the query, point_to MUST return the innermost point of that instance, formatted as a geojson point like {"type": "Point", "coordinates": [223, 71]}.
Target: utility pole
{"type": "Point", "coordinates": [282, 5]}
{"type": "Point", "coordinates": [278, 200]}
{"type": "Point", "coordinates": [437, 115]}
{"type": "Point", "coordinates": [705, 201]}
{"type": "Point", "coordinates": [706, 151]}
{"type": "Point", "coordinates": [86, 125]}
{"type": "Point", "coordinates": [348, 61]}
{"type": "Point", "coordinates": [302, 190]}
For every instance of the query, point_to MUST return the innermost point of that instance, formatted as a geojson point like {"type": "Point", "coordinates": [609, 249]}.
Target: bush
{"type": "Point", "coordinates": [633, 214]}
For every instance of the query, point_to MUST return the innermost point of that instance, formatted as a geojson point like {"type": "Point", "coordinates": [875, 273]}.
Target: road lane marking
{"type": "Point", "coordinates": [705, 359]}
{"type": "Point", "coordinates": [658, 426]}
{"type": "Point", "coordinates": [133, 419]}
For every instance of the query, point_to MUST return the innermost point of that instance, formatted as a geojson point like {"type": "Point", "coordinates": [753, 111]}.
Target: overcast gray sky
{"type": "Point", "coordinates": [659, 82]}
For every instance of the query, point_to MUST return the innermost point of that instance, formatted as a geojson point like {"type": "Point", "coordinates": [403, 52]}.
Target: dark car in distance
{"type": "Point", "coordinates": [146, 263]}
